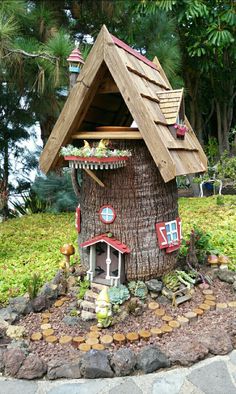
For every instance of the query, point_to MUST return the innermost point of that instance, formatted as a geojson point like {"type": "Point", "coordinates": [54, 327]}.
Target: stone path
{"type": "Point", "coordinates": [214, 375]}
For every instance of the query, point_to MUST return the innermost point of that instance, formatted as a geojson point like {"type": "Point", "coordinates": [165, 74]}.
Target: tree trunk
{"type": "Point", "coordinates": [5, 180]}
{"type": "Point", "coordinates": [140, 199]}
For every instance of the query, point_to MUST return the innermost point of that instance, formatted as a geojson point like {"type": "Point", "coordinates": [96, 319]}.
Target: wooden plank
{"type": "Point", "coordinates": [139, 111]}
{"type": "Point", "coordinates": [162, 72]}
{"type": "Point", "coordinates": [76, 105]}
{"type": "Point", "coordinates": [187, 162]}
{"type": "Point", "coordinates": [134, 71]}
{"type": "Point", "coordinates": [111, 135]}
{"type": "Point", "coordinates": [168, 105]}
{"type": "Point", "coordinates": [108, 86]}
{"type": "Point", "coordinates": [150, 98]}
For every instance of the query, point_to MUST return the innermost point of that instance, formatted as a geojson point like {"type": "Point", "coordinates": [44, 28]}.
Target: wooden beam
{"type": "Point", "coordinates": [108, 86]}
{"type": "Point", "coordinates": [94, 177]}
{"type": "Point", "coordinates": [111, 135]}
{"type": "Point", "coordinates": [134, 71]}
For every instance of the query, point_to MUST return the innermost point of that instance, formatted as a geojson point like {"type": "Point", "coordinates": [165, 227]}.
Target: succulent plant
{"type": "Point", "coordinates": [119, 294]}
{"type": "Point", "coordinates": [138, 289]}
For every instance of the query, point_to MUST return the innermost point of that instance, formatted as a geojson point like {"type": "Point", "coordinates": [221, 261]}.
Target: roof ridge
{"type": "Point", "coordinates": [133, 52]}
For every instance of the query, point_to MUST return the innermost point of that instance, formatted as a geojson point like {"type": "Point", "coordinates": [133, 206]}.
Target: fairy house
{"type": "Point", "coordinates": [127, 217]}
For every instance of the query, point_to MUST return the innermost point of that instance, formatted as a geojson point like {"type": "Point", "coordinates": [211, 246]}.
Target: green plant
{"type": "Point", "coordinates": [33, 284]}
{"type": "Point", "coordinates": [138, 289]}
{"type": "Point", "coordinates": [83, 287]}
{"type": "Point", "coordinates": [73, 313]}
{"type": "Point", "coordinates": [30, 203]}
{"type": "Point", "coordinates": [226, 168]}
{"type": "Point", "coordinates": [220, 200]}
{"type": "Point", "coordinates": [118, 294]}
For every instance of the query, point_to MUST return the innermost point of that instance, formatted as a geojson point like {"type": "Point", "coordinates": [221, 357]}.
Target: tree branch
{"type": "Point", "coordinates": [41, 55]}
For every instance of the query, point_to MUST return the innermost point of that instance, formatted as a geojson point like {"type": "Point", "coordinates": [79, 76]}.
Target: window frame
{"type": "Point", "coordinates": [113, 216]}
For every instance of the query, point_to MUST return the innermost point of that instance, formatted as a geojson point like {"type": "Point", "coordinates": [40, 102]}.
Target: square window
{"type": "Point", "coordinates": [171, 232]}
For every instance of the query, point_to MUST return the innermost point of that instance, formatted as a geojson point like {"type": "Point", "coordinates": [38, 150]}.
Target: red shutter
{"type": "Point", "coordinates": [179, 229]}
{"type": "Point", "coordinates": [77, 219]}
{"type": "Point", "coordinates": [161, 235]}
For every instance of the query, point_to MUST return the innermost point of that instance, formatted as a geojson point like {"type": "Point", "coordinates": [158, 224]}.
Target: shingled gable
{"type": "Point", "coordinates": [140, 85]}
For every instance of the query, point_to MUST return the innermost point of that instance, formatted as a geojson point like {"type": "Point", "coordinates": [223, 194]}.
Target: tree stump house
{"type": "Point", "coordinates": [128, 222]}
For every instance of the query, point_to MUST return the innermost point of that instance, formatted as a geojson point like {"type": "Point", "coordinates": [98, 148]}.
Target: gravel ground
{"type": "Point", "coordinates": [205, 325]}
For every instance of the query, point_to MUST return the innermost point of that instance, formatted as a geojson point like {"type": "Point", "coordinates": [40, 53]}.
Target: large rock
{"type": "Point", "coordinates": [22, 344]}
{"type": "Point", "coordinates": [226, 276]}
{"type": "Point", "coordinates": [150, 358]}
{"type": "Point", "coordinates": [95, 364]}
{"type": "Point", "coordinates": [13, 359]}
{"type": "Point", "coordinates": [185, 352]}
{"type": "Point", "coordinates": [123, 362]}
{"type": "Point", "coordinates": [59, 369]}
{"type": "Point", "coordinates": [8, 315]}
{"type": "Point", "coordinates": [61, 282]}
{"type": "Point", "coordinates": [20, 305]}
{"type": "Point", "coordinates": [3, 327]}
{"type": "Point", "coordinates": [33, 367]}
{"type": "Point", "coordinates": [154, 285]}
{"type": "Point", "coordinates": [2, 363]}
{"type": "Point", "coordinates": [40, 303]}
{"type": "Point", "coordinates": [218, 342]}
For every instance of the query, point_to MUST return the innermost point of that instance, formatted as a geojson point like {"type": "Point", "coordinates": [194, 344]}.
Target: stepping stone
{"type": "Point", "coordinates": [93, 334]}
{"type": "Point", "coordinates": [211, 304]}
{"type": "Point", "coordinates": [119, 338]}
{"type": "Point", "coordinates": [174, 324]}
{"type": "Point", "coordinates": [92, 341]}
{"type": "Point", "coordinates": [198, 311]}
{"type": "Point", "coordinates": [45, 326]}
{"type": "Point", "coordinates": [97, 288]}
{"type": "Point", "coordinates": [182, 320]}
{"type": "Point", "coordinates": [167, 318]}
{"type": "Point", "coordinates": [98, 346]}
{"type": "Point", "coordinates": [90, 296]}
{"type": "Point", "coordinates": [204, 307]}
{"type": "Point", "coordinates": [58, 303]}
{"type": "Point", "coordinates": [144, 334]}
{"type": "Point", "coordinates": [232, 304]}
{"type": "Point", "coordinates": [45, 321]}
{"type": "Point", "coordinates": [86, 316]}
{"type": "Point", "coordinates": [88, 306]}
{"type": "Point", "coordinates": [106, 340]}
{"type": "Point", "coordinates": [36, 336]}
{"type": "Point", "coordinates": [84, 347]}
{"type": "Point", "coordinates": [153, 306]}
{"type": "Point", "coordinates": [51, 339]}
{"type": "Point", "coordinates": [76, 341]}
{"type": "Point", "coordinates": [45, 315]}
{"type": "Point", "coordinates": [132, 336]}
{"type": "Point", "coordinates": [48, 332]}
{"type": "Point", "coordinates": [95, 328]}
{"type": "Point", "coordinates": [155, 331]}
{"type": "Point", "coordinates": [65, 340]}
{"type": "Point", "coordinates": [210, 297]}
{"type": "Point", "coordinates": [159, 312]}
{"type": "Point", "coordinates": [191, 316]}
{"type": "Point", "coordinates": [166, 329]}
{"type": "Point", "coordinates": [221, 305]}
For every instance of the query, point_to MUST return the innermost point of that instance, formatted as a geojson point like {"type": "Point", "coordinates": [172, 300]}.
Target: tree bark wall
{"type": "Point", "coordinates": [140, 199]}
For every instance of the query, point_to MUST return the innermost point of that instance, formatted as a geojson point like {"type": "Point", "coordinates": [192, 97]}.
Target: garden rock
{"type": "Point", "coordinates": [23, 345]}
{"type": "Point", "coordinates": [8, 315]}
{"type": "Point", "coordinates": [59, 369]}
{"type": "Point", "coordinates": [185, 353]}
{"type": "Point", "coordinates": [86, 316]}
{"type": "Point", "coordinates": [123, 362]}
{"type": "Point", "coordinates": [95, 364]}
{"type": "Point", "coordinates": [20, 305]}
{"type": "Point", "coordinates": [61, 282]}
{"type": "Point", "coordinates": [218, 342]}
{"type": "Point", "coordinates": [154, 285]}
{"type": "Point", "coordinates": [71, 320]}
{"type": "Point", "coordinates": [39, 303]}
{"type": "Point", "coordinates": [13, 359]}
{"type": "Point", "coordinates": [234, 286]}
{"type": "Point", "coordinates": [50, 291]}
{"type": "Point", "coordinates": [226, 276]}
{"type": "Point", "coordinates": [33, 367]}
{"type": "Point", "coordinates": [150, 358]}
{"type": "Point", "coordinates": [2, 363]}
{"type": "Point", "coordinates": [3, 327]}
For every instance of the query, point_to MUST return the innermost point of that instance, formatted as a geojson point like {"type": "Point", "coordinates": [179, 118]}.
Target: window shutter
{"type": "Point", "coordinates": [161, 235]}
{"type": "Point", "coordinates": [78, 219]}
{"type": "Point", "coordinates": [179, 229]}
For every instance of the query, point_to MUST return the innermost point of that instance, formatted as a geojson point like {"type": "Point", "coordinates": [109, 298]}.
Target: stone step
{"type": "Point", "coordinates": [86, 315]}
{"type": "Point", "coordinates": [87, 306]}
{"type": "Point", "coordinates": [90, 296]}
{"type": "Point", "coordinates": [96, 287]}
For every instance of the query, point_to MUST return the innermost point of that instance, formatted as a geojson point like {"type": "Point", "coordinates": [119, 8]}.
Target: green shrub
{"type": "Point", "coordinates": [83, 287]}
{"type": "Point", "coordinates": [138, 289]}
{"type": "Point", "coordinates": [33, 284]}
{"type": "Point", "coordinates": [118, 294]}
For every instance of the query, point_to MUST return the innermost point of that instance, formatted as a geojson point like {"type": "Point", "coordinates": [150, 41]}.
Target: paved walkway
{"type": "Point", "coordinates": [216, 375]}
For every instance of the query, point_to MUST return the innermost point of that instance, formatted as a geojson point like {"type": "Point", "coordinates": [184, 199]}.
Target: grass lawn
{"type": "Point", "coordinates": [31, 243]}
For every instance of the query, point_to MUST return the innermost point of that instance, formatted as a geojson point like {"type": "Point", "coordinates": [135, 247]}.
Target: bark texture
{"type": "Point", "coordinates": [140, 199]}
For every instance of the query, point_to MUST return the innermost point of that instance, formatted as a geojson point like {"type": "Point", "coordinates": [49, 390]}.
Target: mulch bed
{"type": "Point", "coordinates": [205, 324]}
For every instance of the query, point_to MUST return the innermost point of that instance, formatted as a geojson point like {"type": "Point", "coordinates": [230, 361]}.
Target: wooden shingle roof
{"type": "Point", "coordinates": [170, 102]}
{"type": "Point", "coordinates": [139, 91]}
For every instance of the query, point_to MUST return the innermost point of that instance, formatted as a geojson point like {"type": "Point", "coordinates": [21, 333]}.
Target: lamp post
{"type": "Point", "coordinates": [76, 62]}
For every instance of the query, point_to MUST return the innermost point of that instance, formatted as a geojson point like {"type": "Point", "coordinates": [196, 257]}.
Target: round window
{"type": "Point", "coordinates": [107, 214]}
